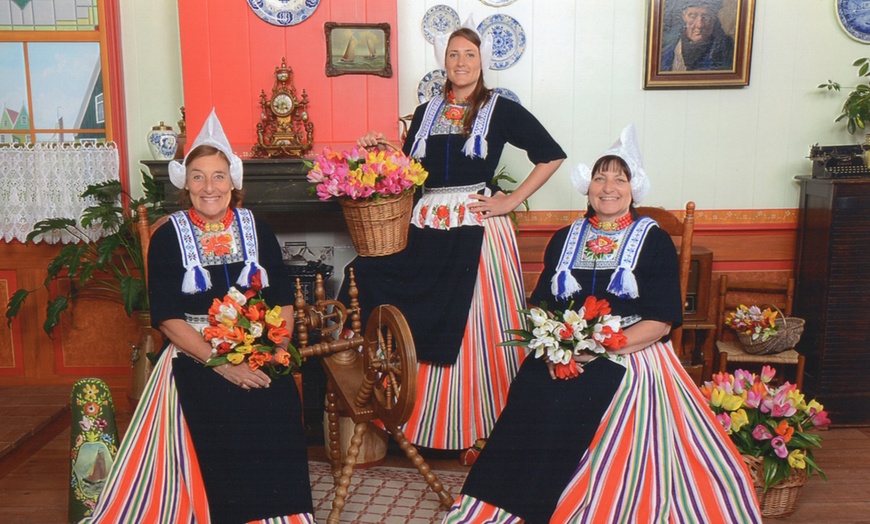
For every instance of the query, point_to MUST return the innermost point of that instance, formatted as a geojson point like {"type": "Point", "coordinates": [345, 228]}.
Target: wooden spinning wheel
{"type": "Point", "coordinates": [370, 377]}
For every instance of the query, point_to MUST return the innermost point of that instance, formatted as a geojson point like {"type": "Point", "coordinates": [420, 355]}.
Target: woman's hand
{"type": "Point", "coordinates": [242, 376]}
{"type": "Point", "coordinates": [492, 206]}
{"type": "Point", "coordinates": [375, 139]}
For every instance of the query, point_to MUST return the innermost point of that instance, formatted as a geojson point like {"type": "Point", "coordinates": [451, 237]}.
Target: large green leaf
{"type": "Point", "coordinates": [50, 225]}
{"type": "Point", "coordinates": [106, 249]}
{"type": "Point", "coordinates": [53, 311]}
{"type": "Point", "coordinates": [14, 305]}
{"type": "Point", "coordinates": [132, 293]}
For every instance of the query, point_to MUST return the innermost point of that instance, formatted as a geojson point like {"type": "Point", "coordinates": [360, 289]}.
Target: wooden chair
{"type": "Point", "coordinates": [685, 229]}
{"type": "Point", "coordinates": [146, 229]}
{"type": "Point", "coordinates": [728, 348]}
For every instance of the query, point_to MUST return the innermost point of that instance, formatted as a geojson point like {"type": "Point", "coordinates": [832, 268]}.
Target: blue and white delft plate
{"type": "Point", "coordinates": [497, 3]}
{"type": "Point", "coordinates": [439, 19]}
{"type": "Point", "coordinates": [431, 85]}
{"type": "Point", "coordinates": [508, 40]}
{"type": "Point", "coordinates": [854, 16]}
{"type": "Point", "coordinates": [507, 93]}
{"type": "Point", "coordinates": [284, 12]}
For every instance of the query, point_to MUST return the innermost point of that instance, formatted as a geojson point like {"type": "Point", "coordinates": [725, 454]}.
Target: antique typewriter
{"type": "Point", "coordinates": [839, 161]}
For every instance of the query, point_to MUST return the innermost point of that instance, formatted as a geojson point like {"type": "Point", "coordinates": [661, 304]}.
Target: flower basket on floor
{"type": "Point", "coordinates": [376, 191]}
{"type": "Point", "coordinates": [773, 428]}
{"type": "Point", "coordinates": [780, 499]}
{"type": "Point", "coordinates": [765, 332]}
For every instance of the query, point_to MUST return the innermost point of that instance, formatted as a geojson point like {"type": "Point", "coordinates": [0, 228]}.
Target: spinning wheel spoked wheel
{"type": "Point", "coordinates": [391, 365]}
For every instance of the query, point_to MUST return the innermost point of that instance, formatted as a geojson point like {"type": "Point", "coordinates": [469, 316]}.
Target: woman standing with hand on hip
{"type": "Point", "coordinates": [458, 282]}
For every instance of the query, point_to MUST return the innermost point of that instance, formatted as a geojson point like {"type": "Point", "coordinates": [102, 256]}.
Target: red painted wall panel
{"type": "Point", "coordinates": [229, 55]}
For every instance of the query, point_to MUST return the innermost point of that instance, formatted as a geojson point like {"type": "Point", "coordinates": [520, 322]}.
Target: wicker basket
{"type": "Point", "coordinates": [379, 227]}
{"type": "Point", "coordinates": [779, 500]}
{"type": "Point", "coordinates": [787, 335]}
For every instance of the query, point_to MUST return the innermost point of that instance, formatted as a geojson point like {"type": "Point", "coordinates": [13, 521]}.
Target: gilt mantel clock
{"type": "Point", "coordinates": [284, 130]}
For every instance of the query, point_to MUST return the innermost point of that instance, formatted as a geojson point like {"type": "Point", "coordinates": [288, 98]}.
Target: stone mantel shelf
{"type": "Point", "coordinates": [271, 186]}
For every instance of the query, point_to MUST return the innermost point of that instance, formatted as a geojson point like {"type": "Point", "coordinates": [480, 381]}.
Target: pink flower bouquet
{"type": "Point", "coordinates": [770, 422]}
{"type": "Point", "coordinates": [361, 174]}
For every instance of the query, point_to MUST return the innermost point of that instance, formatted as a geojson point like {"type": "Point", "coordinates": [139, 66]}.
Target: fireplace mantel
{"type": "Point", "coordinates": [271, 186]}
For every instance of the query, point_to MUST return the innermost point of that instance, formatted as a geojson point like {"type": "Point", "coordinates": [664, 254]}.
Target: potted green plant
{"type": "Point", "coordinates": [856, 108]}
{"type": "Point", "coordinates": [111, 266]}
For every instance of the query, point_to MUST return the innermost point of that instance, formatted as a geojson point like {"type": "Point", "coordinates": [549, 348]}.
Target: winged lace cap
{"type": "Point", "coordinates": [211, 134]}
{"type": "Point", "coordinates": [627, 148]}
{"type": "Point", "coordinates": [441, 40]}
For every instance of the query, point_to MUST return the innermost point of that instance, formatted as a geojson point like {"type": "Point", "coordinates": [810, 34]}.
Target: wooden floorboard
{"type": "Point", "coordinates": [35, 488]}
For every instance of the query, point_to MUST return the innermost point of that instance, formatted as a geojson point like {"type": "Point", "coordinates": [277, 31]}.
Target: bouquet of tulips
{"type": "Point", "coordinates": [244, 329]}
{"type": "Point", "coordinates": [360, 173]}
{"type": "Point", "coordinates": [774, 423]}
{"type": "Point", "coordinates": [559, 335]}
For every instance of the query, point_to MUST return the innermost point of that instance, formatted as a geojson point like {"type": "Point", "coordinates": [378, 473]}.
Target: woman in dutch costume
{"type": "Point", "coordinates": [629, 439]}
{"type": "Point", "coordinates": [458, 282]}
{"type": "Point", "coordinates": [210, 444]}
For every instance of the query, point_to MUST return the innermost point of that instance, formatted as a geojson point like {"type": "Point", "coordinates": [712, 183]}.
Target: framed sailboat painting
{"type": "Point", "coordinates": [362, 49]}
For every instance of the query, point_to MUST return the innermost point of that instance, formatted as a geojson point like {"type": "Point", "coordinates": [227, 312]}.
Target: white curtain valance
{"type": "Point", "coordinates": [45, 180]}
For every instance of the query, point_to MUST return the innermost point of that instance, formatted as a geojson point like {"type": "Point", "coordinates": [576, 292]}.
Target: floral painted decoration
{"type": "Point", "coordinates": [753, 321]}
{"type": "Point", "coordinates": [766, 421]}
{"type": "Point", "coordinates": [243, 328]}
{"type": "Point", "coordinates": [360, 174]}
{"type": "Point", "coordinates": [558, 336]}
{"type": "Point", "coordinates": [94, 444]}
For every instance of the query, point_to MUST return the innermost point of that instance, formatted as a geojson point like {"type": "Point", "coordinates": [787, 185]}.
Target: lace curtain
{"type": "Point", "coordinates": [40, 181]}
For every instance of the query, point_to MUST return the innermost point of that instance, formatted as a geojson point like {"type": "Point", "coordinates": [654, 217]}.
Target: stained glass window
{"type": "Point", "coordinates": [54, 15]}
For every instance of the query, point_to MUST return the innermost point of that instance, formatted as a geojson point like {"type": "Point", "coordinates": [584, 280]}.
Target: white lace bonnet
{"type": "Point", "coordinates": [442, 39]}
{"type": "Point", "coordinates": [211, 134]}
{"type": "Point", "coordinates": [628, 149]}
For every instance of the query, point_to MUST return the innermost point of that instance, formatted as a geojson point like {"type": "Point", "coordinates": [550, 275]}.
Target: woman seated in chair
{"type": "Point", "coordinates": [211, 444]}
{"type": "Point", "coordinates": [629, 439]}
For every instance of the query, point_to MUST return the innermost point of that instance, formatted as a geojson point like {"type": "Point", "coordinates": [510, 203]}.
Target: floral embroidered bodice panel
{"type": "Point", "coordinates": [601, 249]}
{"type": "Point", "coordinates": [449, 121]}
{"type": "Point", "coordinates": [216, 248]}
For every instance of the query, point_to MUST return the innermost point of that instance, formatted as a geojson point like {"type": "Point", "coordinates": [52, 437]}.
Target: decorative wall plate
{"type": "Point", "coordinates": [431, 85]}
{"type": "Point", "coordinates": [497, 3]}
{"type": "Point", "coordinates": [507, 93]}
{"type": "Point", "coordinates": [854, 17]}
{"type": "Point", "coordinates": [284, 13]}
{"type": "Point", "coordinates": [439, 19]}
{"type": "Point", "coordinates": [508, 40]}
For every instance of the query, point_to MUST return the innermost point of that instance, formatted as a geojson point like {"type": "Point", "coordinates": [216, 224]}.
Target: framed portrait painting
{"type": "Point", "coordinates": [698, 43]}
{"type": "Point", "coordinates": [362, 49]}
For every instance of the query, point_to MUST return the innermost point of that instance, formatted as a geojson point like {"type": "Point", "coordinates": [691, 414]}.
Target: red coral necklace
{"type": "Point", "coordinates": [211, 227]}
{"type": "Point", "coordinates": [617, 225]}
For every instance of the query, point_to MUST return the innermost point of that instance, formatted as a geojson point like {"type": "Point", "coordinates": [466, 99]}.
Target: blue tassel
{"type": "Point", "coordinates": [623, 284]}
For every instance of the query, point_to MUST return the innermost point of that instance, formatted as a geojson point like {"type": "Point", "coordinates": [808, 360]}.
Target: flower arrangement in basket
{"type": "Point", "coordinates": [559, 335]}
{"type": "Point", "coordinates": [375, 189]}
{"type": "Point", "coordinates": [772, 427]}
{"type": "Point", "coordinates": [243, 328]}
{"type": "Point", "coordinates": [764, 332]}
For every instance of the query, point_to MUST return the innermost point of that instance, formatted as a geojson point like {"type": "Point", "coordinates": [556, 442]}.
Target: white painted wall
{"type": "Point", "coordinates": [153, 91]}
{"type": "Point", "coordinates": [581, 75]}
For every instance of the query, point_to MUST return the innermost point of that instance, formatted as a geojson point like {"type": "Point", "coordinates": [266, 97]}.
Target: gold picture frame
{"type": "Point", "coordinates": [698, 43]}
{"type": "Point", "coordinates": [358, 49]}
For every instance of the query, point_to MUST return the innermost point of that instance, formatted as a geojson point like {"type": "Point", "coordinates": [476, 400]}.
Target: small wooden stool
{"type": "Point", "coordinates": [732, 351]}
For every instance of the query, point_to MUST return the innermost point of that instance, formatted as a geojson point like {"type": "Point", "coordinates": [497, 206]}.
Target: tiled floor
{"type": "Point", "coordinates": [26, 410]}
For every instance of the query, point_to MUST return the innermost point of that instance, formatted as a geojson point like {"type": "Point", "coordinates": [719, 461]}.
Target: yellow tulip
{"type": "Point", "coordinates": [236, 358]}
{"type": "Point", "coordinates": [796, 459]}
{"type": "Point", "coordinates": [739, 419]}
{"type": "Point", "coordinates": [731, 402]}
{"type": "Point", "coordinates": [273, 316]}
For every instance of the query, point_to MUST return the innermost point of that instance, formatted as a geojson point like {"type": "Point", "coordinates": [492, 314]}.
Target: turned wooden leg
{"type": "Point", "coordinates": [332, 421]}
{"type": "Point", "coordinates": [411, 452]}
{"type": "Point", "coordinates": [338, 501]}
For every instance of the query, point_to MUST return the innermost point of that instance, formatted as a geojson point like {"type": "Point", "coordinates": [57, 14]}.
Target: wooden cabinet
{"type": "Point", "coordinates": [833, 294]}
